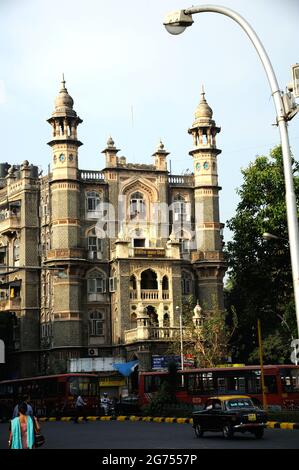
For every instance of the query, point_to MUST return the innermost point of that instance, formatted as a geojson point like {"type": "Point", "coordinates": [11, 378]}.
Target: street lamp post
{"type": "Point", "coordinates": [176, 23]}
{"type": "Point", "coordinates": [178, 309]}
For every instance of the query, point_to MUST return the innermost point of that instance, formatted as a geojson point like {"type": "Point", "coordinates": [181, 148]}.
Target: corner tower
{"type": "Point", "coordinates": [64, 182]}
{"type": "Point", "coordinates": [209, 261]}
{"type": "Point", "coordinates": [65, 144]}
{"type": "Point", "coordinates": [64, 308]}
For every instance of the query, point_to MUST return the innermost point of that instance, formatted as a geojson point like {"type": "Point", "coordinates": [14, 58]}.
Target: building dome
{"type": "Point", "coordinates": [64, 102]}
{"type": "Point", "coordinates": [64, 99]}
{"type": "Point", "coordinates": [203, 110]}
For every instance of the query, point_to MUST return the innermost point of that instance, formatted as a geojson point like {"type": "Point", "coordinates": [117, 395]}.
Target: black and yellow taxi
{"type": "Point", "coordinates": [229, 414]}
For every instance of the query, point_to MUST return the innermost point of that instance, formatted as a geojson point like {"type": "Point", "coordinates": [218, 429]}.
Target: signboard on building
{"type": "Point", "coordinates": [161, 362]}
{"type": "Point", "coordinates": [149, 252]}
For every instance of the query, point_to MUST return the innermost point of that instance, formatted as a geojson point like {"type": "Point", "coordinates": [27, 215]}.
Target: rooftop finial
{"type": "Point", "coordinates": [63, 82]}
{"type": "Point", "coordinates": [160, 145]}
{"type": "Point", "coordinates": [203, 92]}
{"type": "Point", "coordinates": [110, 142]}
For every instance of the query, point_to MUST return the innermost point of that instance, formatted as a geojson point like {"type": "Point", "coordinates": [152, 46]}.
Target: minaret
{"type": "Point", "coordinates": [66, 242]}
{"type": "Point", "coordinates": [64, 181]}
{"type": "Point", "coordinates": [64, 121]}
{"type": "Point", "coordinates": [208, 228]}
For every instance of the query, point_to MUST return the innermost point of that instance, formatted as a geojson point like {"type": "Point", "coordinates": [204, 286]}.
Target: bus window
{"type": "Point", "coordinates": [270, 383]}
{"type": "Point", "coordinates": [207, 382]}
{"type": "Point", "coordinates": [240, 384]}
{"type": "Point", "coordinates": [152, 383]}
{"type": "Point", "coordinates": [290, 380]}
{"type": "Point", "coordinates": [295, 379]}
{"type": "Point", "coordinates": [253, 382]}
{"type": "Point", "coordinates": [82, 386]}
{"type": "Point", "coordinates": [194, 383]}
{"type": "Point", "coordinates": [221, 385]}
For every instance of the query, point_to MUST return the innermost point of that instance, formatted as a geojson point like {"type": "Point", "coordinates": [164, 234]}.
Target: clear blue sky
{"type": "Point", "coordinates": [117, 56]}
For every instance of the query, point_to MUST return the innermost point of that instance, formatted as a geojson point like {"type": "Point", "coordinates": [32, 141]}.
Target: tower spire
{"type": "Point", "coordinates": [63, 82]}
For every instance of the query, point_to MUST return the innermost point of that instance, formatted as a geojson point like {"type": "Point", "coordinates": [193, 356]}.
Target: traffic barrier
{"type": "Point", "coordinates": [148, 419]}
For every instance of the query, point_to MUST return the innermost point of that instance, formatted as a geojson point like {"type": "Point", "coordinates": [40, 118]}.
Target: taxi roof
{"type": "Point", "coordinates": [228, 397]}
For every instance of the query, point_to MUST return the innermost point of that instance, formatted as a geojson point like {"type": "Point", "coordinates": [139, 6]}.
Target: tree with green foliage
{"type": "Point", "coordinates": [260, 278]}
{"type": "Point", "coordinates": [207, 342]}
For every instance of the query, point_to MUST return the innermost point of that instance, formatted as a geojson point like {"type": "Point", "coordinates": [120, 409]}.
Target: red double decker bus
{"type": "Point", "coordinates": [52, 395]}
{"type": "Point", "coordinates": [281, 384]}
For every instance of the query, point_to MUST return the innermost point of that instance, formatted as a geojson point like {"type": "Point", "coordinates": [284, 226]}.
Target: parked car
{"type": "Point", "coordinates": [230, 414]}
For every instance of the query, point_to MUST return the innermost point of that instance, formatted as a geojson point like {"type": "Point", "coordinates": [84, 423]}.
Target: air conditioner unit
{"type": "Point", "coordinates": [93, 352]}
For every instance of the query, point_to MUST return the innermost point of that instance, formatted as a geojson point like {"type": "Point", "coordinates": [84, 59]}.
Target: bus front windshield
{"type": "Point", "coordinates": [87, 386]}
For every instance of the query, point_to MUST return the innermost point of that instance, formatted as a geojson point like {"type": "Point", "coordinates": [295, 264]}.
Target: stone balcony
{"type": "Point", "coordinates": [148, 294]}
{"type": "Point", "coordinates": [10, 304]}
{"type": "Point", "coordinates": [9, 221]}
{"type": "Point", "coordinates": [152, 334]}
{"type": "Point", "coordinates": [181, 180]}
{"type": "Point", "coordinates": [91, 176]}
{"type": "Point", "coordinates": [64, 253]}
{"type": "Point", "coordinates": [207, 256]}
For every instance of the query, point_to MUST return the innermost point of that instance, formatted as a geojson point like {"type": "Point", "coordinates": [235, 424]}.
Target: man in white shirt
{"type": "Point", "coordinates": [80, 408]}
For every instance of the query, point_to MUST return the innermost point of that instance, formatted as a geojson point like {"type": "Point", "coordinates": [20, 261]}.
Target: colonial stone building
{"type": "Point", "coordinates": [99, 262]}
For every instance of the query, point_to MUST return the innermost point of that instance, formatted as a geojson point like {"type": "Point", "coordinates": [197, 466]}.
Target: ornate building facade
{"type": "Point", "coordinates": [99, 262]}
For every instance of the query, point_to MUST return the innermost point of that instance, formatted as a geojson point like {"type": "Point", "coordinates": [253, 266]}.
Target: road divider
{"type": "Point", "coordinates": [151, 419]}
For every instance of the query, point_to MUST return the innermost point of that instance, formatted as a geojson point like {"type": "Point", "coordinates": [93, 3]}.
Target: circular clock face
{"type": "Point", "coordinates": [198, 166]}
{"type": "Point", "coordinates": [206, 165]}
{"type": "Point", "coordinates": [61, 157]}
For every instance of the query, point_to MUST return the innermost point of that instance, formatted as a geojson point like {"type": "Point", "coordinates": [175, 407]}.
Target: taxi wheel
{"type": "Point", "coordinates": [259, 433]}
{"type": "Point", "coordinates": [198, 430]}
{"type": "Point", "coordinates": [227, 431]}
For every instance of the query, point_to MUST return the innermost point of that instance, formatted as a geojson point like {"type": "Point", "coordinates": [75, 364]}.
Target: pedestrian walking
{"type": "Point", "coordinates": [22, 429]}
{"type": "Point", "coordinates": [29, 411]}
{"type": "Point", "coordinates": [80, 408]}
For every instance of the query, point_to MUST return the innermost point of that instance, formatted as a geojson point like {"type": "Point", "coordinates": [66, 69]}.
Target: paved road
{"type": "Point", "coordinates": [141, 435]}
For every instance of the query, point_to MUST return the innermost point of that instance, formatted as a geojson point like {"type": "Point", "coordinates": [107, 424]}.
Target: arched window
{"type": "Point", "coordinates": [179, 207]}
{"type": "Point", "coordinates": [95, 245]}
{"type": "Point", "coordinates": [96, 286]}
{"type": "Point", "coordinates": [137, 206]}
{"type": "Point", "coordinates": [149, 280]}
{"type": "Point", "coordinates": [165, 283]}
{"type": "Point", "coordinates": [93, 202]}
{"type": "Point", "coordinates": [96, 323]}
{"type": "Point", "coordinates": [186, 283]}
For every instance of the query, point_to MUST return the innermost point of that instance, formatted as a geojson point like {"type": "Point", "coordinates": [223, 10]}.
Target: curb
{"type": "Point", "coordinates": [151, 419]}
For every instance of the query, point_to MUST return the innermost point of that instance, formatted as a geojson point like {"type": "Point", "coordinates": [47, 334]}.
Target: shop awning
{"type": "Point", "coordinates": [126, 368]}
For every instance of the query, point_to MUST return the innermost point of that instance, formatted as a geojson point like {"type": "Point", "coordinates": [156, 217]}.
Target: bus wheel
{"type": "Point", "coordinates": [227, 432]}
{"type": "Point", "coordinates": [198, 430]}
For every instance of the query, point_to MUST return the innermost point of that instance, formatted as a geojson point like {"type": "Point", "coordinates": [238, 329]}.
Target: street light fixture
{"type": "Point", "coordinates": [270, 236]}
{"type": "Point", "coordinates": [176, 23]}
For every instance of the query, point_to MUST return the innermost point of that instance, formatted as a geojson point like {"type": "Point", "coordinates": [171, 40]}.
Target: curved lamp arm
{"type": "Point", "coordinates": [292, 216]}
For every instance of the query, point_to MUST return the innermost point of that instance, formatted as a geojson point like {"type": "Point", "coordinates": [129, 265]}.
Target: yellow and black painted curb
{"type": "Point", "coordinates": [151, 419]}
{"type": "Point", "coordinates": [123, 418]}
